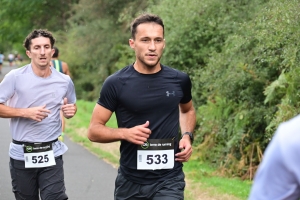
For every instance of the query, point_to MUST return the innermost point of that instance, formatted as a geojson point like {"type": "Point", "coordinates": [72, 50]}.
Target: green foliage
{"type": "Point", "coordinates": [21, 17]}
{"type": "Point", "coordinates": [195, 29]}
{"type": "Point", "coordinates": [242, 57]}
{"type": "Point", "coordinates": [256, 71]}
{"type": "Point", "coordinates": [97, 35]}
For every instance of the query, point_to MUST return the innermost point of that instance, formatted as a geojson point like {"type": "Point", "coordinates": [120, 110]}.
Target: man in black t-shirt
{"type": "Point", "coordinates": [153, 104]}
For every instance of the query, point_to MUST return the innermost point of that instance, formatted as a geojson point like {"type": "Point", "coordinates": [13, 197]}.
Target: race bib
{"type": "Point", "coordinates": [38, 155]}
{"type": "Point", "coordinates": [156, 154]}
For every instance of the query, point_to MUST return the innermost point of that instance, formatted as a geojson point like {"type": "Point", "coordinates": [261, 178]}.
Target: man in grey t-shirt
{"type": "Point", "coordinates": [32, 97]}
{"type": "Point", "coordinates": [278, 175]}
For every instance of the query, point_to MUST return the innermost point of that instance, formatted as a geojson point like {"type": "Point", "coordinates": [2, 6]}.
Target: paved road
{"type": "Point", "coordinates": [6, 69]}
{"type": "Point", "coordinates": [86, 176]}
{"type": "Point", "coordinates": [5, 186]}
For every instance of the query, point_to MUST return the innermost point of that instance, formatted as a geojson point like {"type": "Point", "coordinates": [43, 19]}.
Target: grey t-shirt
{"type": "Point", "coordinates": [21, 88]}
{"type": "Point", "coordinates": [278, 176]}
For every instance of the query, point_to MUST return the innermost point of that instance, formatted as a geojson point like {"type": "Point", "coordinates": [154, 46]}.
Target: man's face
{"type": "Point", "coordinates": [40, 52]}
{"type": "Point", "coordinates": [148, 44]}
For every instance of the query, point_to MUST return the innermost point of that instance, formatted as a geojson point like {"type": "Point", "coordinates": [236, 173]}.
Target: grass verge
{"type": "Point", "coordinates": [76, 129]}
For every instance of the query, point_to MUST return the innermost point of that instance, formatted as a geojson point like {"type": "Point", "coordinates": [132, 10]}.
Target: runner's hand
{"type": "Point", "coordinates": [186, 147]}
{"type": "Point", "coordinates": [37, 113]}
{"type": "Point", "coordinates": [138, 134]}
{"type": "Point", "coordinates": [68, 110]}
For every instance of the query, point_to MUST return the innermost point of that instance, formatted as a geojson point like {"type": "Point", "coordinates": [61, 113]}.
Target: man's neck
{"type": "Point", "coordinates": [41, 71]}
{"type": "Point", "coordinates": [139, 67]}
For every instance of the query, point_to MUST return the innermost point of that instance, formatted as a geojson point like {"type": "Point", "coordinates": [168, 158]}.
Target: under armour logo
{"type": "Point", "coordinates": [170, 93]}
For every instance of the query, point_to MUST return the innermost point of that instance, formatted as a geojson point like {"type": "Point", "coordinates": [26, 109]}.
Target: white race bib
{"type": "Point", "coordinates": [156, 154]}
{"type": "Point", "coordinates": [38, 155]}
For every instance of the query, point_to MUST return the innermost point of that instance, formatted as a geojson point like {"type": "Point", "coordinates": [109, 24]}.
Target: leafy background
{"type": "Point", "coordinates": [242, 57]}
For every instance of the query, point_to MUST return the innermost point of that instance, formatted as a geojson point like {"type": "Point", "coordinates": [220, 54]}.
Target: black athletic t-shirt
{"type": "Point", "coordinates": [137, 98]}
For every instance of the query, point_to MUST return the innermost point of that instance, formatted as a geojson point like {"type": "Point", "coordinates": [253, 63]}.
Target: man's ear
{"type": "Point", "coordinates": [52, 53]}
{"type": "Point", "coordinates": [28, 54]}
{"type": "Point", "coordinates": [131, 43]}
{"type": "Point", "coordinates": [164, 43]}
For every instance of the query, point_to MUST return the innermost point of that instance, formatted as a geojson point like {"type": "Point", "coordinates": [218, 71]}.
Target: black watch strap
{"type": "Point", "coordinates": [189, 134]}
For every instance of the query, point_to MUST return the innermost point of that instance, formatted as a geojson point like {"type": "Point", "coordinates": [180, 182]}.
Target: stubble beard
{"type": "Point", "coordinates": [147, 65]}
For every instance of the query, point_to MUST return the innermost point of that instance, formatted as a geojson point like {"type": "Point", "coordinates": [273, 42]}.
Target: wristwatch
{"type": "Point", "coordinates": [189, 134]}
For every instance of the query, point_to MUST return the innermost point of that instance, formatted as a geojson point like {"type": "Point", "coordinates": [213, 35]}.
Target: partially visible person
{"type": "Point", "coordinates": [155, 115]}
{"type": "Point", "coordinates": [18, 59]}
{"type": "Point", "coordinates": [1, 61]}
{"type": "Point", "coordinates": [278, 175]}
{"type": "Point", "coordinates": [59, 65]}
{"type": "Point", "coordinates": [32, 97]}
{"type": "Point", "coordinates": [11, 59]}
{"type": "Point", "coordinates": [63, 68]}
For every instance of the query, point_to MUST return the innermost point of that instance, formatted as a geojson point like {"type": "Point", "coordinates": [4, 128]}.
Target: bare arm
{"type": "Point", "coordinates": [187, 120]}
{"type": "Point", "coordinates": [187, 117]}
{"type": "Point", "coordinates": [34, 113]}
{"type": "Point", "coordinates": [99, 132]}
{"type": "Point", "coordinates": [66, 68]}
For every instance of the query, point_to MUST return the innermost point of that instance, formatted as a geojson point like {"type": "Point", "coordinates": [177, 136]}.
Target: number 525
{"type": "Point", "coordinates": [40, 159]}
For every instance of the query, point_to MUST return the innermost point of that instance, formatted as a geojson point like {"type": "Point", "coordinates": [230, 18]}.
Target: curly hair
{"type": "Point", "coordinates": [38, 33]}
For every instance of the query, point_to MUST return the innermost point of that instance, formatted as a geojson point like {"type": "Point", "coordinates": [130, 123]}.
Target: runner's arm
{"type": "Point", "coordinates": [66, 69]}
{"type": "Point", "coordinates": [34, 113]}
{"type": "Point", "coordinates": [99, 132]}
{"type": "Point", "coordinates": [187, 120]}
{"type": "Point", "coordinates": [187, 117]}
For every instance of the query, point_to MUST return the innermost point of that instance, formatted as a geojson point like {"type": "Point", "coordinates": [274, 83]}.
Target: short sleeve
{"type": "Point", "coordinates": [71, 95]}
{"type": "Point", "coordinates": [186, 86]}
{"type": "Point", "coordinates": [108, 94]}
{"type": "Point", "coordinates": [7, 87]}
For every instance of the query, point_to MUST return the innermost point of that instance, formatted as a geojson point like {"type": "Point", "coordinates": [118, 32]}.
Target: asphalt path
{"type": "Point", "coordinates": [6, 69]}
{"type": "Point", "coordinates": [86, 176]}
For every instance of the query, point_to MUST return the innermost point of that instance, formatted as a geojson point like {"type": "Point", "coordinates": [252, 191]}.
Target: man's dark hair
{"type": "Point", "coordinates": [38, 33]}
{"type": "Point", "coordinates": [56, 52]}
{"type": "Point", "coordinates": [145, 18]}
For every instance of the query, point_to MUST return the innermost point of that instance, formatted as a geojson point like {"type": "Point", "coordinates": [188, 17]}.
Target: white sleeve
{"type": "Point", "coordinates": [7, 87]}
{"type": "Point", "coordinates": [71, 95]}
{"type": "Point", "coordinates": [275, 178]}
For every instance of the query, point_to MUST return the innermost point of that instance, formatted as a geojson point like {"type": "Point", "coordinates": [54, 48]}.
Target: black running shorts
{"type": "Point", "coordinates": [27, 182]}
{"type": "Point", "coordinates": [171, 189]}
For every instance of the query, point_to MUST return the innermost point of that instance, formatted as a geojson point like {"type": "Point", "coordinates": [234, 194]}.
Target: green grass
{"type": "Point", "coordinates": [204, 174]}
{"type": "Point", "coordinates": [76, 129]}
{"type": "Point", "coordinates": [84, 114]}
{"type": "Point", "coordinates": [199, 173]}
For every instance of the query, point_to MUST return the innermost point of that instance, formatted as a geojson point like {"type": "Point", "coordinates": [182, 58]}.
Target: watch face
{"type": "Point", "coordinates": [191, 136]}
